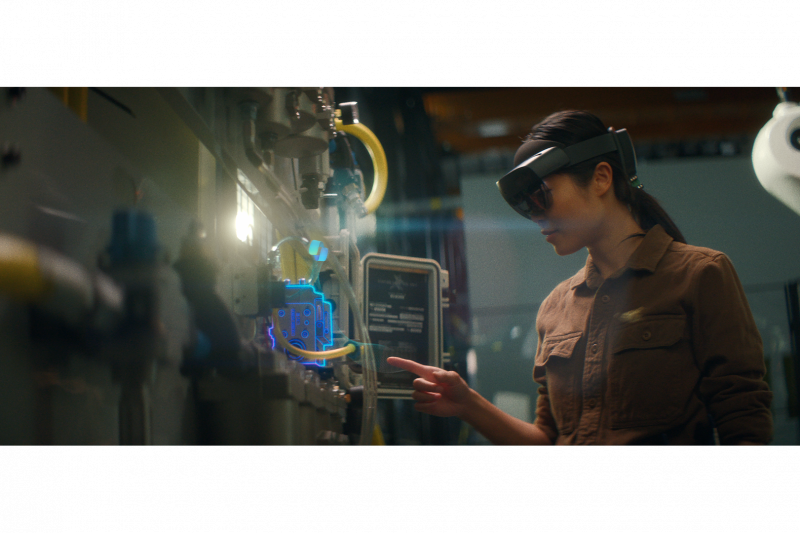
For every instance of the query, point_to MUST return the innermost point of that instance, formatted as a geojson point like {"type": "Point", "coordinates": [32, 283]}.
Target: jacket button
{"type": "Point", "coordinates": [646, 335]}
{"type": "Point", "coordinates": [594, 348]}
{"type": "Point", "coordinates": [591, 403]}
{"type": "Point", "coordinates": [605, 299]}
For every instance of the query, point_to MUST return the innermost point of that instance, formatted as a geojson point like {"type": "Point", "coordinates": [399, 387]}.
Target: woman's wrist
{"type": "Point", "coordinates": [471, 406]}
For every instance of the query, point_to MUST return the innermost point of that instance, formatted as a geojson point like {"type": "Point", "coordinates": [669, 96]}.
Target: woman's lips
{"type": "Point", "coordinates": [548, 233]}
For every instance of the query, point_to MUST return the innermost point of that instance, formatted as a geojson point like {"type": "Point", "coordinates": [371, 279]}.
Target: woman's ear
{"type": "Point", "coordinates": [603, 179]}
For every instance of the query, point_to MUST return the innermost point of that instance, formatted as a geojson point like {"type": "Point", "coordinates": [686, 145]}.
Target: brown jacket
{"type": "Point", "coordinates": [653, 354]}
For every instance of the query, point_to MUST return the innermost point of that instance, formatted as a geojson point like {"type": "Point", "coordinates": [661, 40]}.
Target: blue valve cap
{"type": "Point", "coordinates": [133, 237]}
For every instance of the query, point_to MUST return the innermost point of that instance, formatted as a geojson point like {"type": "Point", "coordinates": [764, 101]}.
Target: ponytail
{"type": "Point", "coordinates": [644, 207]}
{"type": "Point", "coordinates": [648, 213]}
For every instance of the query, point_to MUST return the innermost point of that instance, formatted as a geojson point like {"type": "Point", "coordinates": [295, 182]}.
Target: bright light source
{"type": "Point", "coordinates": [252, 227]}
{"type": "Point", "coordinates": [472, 362]}
{"type": "Point", "coordinates": [244, 227]}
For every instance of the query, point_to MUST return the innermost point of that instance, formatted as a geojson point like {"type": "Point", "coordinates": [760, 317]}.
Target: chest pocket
{"type": "Point", "coordinates": [560, 368]}
{"type": "Point", "coordinates": [651, 373]}
{"type": "Point", "coordinates": [650, 333]}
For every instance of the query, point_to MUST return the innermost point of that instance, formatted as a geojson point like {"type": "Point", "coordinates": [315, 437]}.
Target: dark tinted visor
{"type": "Point", "coordinates": [523, 188]}
{"type": "Point", "coordinates": [525, 192]}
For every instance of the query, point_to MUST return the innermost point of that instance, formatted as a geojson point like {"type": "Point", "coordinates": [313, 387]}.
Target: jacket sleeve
{"type": "Point", "coordinates": [730, 355]}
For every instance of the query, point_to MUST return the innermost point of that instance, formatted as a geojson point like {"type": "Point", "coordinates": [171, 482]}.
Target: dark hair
{"type": "Point", "coordinates": [571, 127]}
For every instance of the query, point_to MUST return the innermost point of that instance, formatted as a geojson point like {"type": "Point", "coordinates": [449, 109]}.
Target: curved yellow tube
{"type": "Point", "coordinates": [294, 265]}
{"type": "Point", "coordinates": [329, 354]}
{"type": "Point", "coordinates": [20, 275]}
{"type": "Point", "coordinates": [365, 135]}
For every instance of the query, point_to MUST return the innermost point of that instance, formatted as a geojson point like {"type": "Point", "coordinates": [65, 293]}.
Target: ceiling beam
{"type": "Point", "coordinates": [651, 114]}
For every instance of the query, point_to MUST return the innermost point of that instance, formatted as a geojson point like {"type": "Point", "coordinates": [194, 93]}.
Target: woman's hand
{"type": "Point", "coordinates": [437, 392]}
{"type": "Point", "coordinates": [442, 393]}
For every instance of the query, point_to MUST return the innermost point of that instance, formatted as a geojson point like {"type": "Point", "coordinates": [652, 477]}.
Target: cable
{"type": "Point", "coordinates": [312, 279]}
{"type": "Point", "coordinates": [378, 156]}
{"type": "Point", "coordinates": [287, 239]}
{"type": "Point", "coordinates": [369, 373]}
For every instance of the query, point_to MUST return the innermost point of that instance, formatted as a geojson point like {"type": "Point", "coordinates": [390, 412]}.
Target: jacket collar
{"type": "Point", "coordinates": [646, 257]}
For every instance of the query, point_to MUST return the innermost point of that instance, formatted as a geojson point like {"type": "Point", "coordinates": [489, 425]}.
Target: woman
{"type": "Point", "coordinates": [652, 342]}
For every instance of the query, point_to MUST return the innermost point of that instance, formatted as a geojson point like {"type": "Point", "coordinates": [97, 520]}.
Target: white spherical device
{"type": "Point", "coordinates": [776, 155]}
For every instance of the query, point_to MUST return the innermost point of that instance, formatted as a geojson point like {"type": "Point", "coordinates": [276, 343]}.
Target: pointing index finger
{"type": "Point", "coordinates": [422, 371]}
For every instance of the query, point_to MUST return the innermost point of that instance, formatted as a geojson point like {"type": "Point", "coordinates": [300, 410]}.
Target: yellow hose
{"type": "Point", "coordinates": [365, 135]}
{"type": "Point", "coordinates": [329, 354]}
{"type": "Point", "coordinates": [20, 275]}
{"type": "Point", "coordinates": [293, 265]}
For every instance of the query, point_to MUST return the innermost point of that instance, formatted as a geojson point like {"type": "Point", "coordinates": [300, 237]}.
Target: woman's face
{"type": "Point", "coordinates": [574, 217]}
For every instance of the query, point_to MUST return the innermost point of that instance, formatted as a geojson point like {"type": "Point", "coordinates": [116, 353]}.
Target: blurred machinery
{"type": "Point", "coordinates": [182, 266]}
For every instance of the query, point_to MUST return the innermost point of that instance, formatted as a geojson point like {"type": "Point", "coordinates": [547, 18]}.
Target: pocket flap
{"type": "Point", "coordinates": [651, 332]}
{"type": "Point", "coordinates": [560, 346]}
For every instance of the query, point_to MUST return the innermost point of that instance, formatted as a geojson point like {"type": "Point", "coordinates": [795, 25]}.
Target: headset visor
{"type": "Point", "coordinates": [525, 192]}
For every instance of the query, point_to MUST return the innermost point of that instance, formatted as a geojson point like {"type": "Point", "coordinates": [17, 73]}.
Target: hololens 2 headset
{"type": "Point", "coordinates": [524, 189]}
